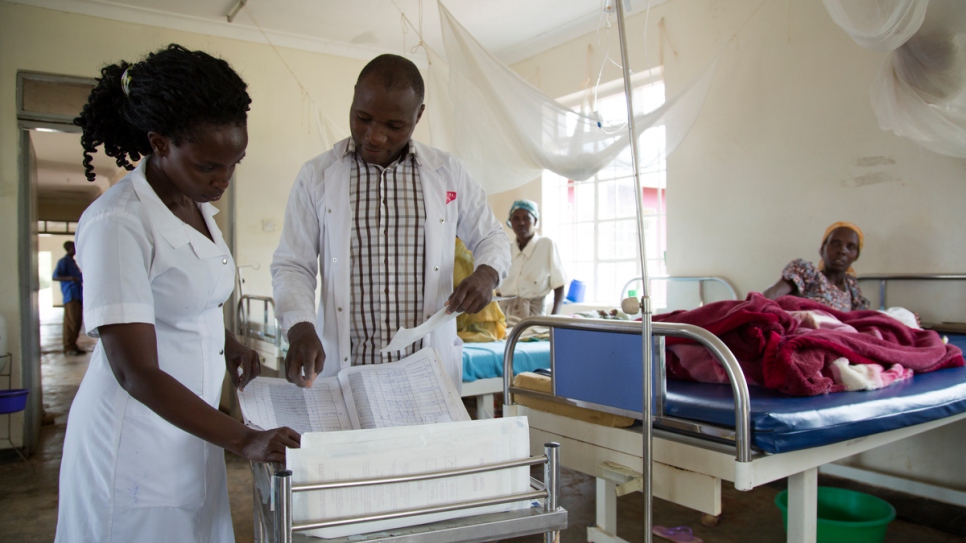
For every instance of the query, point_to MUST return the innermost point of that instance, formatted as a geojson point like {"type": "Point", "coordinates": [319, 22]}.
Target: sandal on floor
{"type": "Point", "coordinates": [679, 534]}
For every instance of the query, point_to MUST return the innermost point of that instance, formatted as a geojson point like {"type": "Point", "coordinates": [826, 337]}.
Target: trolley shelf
{"type": "Point", "coordinates": [544, 516]}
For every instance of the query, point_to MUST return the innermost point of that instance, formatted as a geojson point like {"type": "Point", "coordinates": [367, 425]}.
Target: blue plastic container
{"type": "Point", "coordinates": [14, 400]}
{"type": "Point", "coordinates": [576, 291]}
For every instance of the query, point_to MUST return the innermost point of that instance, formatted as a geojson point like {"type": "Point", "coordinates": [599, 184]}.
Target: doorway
{"type": "Point", "coordinates": [50, 193]}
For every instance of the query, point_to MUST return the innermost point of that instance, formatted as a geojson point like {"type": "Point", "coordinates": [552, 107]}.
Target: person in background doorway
{"type": "Point", "coordinates": [535, 268]}
{"type": "Point", "coordinates": [833, 282]}
{"type": "Point", "coordinates": [144, 454]}
{"type": "Point", "coordinates": [72, 287]}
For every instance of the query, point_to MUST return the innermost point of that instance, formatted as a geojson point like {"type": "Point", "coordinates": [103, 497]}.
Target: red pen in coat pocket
{"type": "Point", "coordinates": [450, 196]}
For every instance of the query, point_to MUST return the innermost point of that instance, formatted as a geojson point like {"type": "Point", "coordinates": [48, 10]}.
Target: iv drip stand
{"type": "Point", "coordinates": [645, 302]}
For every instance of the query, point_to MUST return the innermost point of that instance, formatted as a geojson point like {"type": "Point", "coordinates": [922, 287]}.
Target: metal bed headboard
{"type": "Point", "coordinates": [681, 278]}
{"type": "Point", "coordinates": [884, 278]}
{"type": "Point", "coordinates": [740, 436]}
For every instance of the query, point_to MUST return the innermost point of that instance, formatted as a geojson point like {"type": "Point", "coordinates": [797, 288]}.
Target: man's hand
{"type": "Point", "coordinates": [474, 292]}
{"type": "Point", "coordinates": [240, 356]}
{"type": "Point", "coordinates": [305, 357]}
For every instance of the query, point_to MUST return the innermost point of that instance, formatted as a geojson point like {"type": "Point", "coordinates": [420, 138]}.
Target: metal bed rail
{"type": "Point", "coordinates": [247, 332]}
{"type": "Point", "coordinates": [884, 278]}
{"type": "Point", "coordinates": [740, 436]}
{"type": "Point", "coordinates": [273, 517]}
{"type": "Point", "coordinates": [685, 279]}
{"type": "Point", "coordinates": [244, 310]}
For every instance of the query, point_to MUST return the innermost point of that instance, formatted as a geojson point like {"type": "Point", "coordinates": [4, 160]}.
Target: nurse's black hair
{"type": "Point", "coordinates": [395, 73]}
{"type": "Point", "coordinates": [173, 92]}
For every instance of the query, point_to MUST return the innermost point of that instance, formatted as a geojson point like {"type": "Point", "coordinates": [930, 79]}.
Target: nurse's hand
{"type": "Point", "coordinates": [269, 446]}
{"type": "Point", "coordinates": [474, 292]}
{"type": "Point", "coordinates": [239, 356]}
{"type": "Point", "coordinates": [305, 357]}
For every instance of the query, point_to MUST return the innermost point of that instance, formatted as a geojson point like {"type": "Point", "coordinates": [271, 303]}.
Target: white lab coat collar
{"type": "Point", "coordinates": [425, 156]}
{"type": "Point", "coordinates": [350, 149]}
{"type": "Point", "coordinates": [175, 231]}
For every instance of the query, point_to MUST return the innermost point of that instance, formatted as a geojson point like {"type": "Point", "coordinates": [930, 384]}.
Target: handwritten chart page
{"type": "Point", "coordinates": [356, 454]}
{"type": "Point", "coordinates": [414, 390]}
{"type": "Point", "coordinates": [270, 403]}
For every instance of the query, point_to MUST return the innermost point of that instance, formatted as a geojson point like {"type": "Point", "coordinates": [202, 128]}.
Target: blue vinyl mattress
{"type": "Point", "coordinates": [485, 360]}
{"type": "Point", "coordinates": [603, 370]}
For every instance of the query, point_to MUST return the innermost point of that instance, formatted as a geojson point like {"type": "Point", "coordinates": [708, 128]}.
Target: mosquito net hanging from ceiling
{"type": "Point", "coordinates": [507, 131]}
{"type": "Point", "coordinates": [920, 91]}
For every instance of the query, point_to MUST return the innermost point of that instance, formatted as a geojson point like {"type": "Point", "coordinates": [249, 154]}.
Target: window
{"type": "Point", "coordinates": [593, 222]}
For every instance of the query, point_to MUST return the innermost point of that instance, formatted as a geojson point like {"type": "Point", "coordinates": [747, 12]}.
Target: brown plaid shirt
{"type": "Point", "coordinates": [388, 255]}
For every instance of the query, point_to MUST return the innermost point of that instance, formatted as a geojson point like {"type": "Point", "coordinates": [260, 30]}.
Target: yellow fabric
{"type": "Point", "coordinates": [541, 383]}
{"type": "Point", "coordinates": [850, 226]}
{"type": "Point", "coordinates": [485, 326]}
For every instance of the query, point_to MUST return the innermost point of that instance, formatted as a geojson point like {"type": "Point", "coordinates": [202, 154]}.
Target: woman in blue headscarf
{"type": "Point", "coordinates": [535, 269]}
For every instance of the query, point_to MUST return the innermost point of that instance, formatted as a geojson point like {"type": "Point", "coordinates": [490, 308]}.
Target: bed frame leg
{"type": "Point", "coordinates": [605, 531]}
{"type": "Point", "coordinates": [802, 506]}
{"type": "Point", "coordinates": [607, 505]}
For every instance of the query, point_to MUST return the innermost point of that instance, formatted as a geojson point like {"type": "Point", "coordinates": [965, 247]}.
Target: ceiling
{"type": "Point", "coordinates": [510, 29]}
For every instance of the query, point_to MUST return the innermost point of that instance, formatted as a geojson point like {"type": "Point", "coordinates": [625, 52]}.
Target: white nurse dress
{"type": "Point", "coordinates": [127, 474]}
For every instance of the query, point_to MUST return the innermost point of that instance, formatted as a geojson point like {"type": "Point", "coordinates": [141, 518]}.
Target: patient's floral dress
{"type": "Point", "coordinates": [811, 283]}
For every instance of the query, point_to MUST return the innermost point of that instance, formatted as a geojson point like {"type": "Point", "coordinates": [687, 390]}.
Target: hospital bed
{"type": "Point", "coordinates": [273, 489]}
{"type": "Point", "coordinates": [707, 433]}
{"type": "Point", "coordinates": [483, 362]}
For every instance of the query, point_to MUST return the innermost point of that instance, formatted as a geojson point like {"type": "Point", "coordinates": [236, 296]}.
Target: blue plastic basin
{"type": "Point", "coordinates": [14, 400]}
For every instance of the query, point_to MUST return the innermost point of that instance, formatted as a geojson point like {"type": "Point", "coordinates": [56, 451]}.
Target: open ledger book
{"type": "Point", "coordinates": [384, 420]}
{"type": "Point", "coordinates": [412, 391]}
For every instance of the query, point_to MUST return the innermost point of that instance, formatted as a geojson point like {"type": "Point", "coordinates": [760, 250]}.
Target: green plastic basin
{"type": "Point", "coordinates": [846, 516]}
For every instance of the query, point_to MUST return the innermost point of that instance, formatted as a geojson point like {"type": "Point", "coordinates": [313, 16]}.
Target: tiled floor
{"type": "Point", "coordinates": [28, 491]}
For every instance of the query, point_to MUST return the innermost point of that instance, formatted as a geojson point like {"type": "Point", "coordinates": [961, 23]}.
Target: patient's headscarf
{"type": "Point", "coordinates": [528, 205]}
{"type": "Point", "coordinates": [850, 226]}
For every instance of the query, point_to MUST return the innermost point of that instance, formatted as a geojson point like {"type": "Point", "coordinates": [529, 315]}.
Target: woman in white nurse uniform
{"type": "Point", "coordinates": [143, 456]}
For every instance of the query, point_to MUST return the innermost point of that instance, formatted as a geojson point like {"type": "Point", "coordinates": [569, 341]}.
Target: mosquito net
{"type": "Point", "coordinates": [920, 91]}
{"type": "Point", "coordinates": [507, 131]}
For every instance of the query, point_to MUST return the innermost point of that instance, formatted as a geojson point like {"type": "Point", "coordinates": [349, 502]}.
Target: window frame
{"type": "Point", "coordinates": [556, 224]}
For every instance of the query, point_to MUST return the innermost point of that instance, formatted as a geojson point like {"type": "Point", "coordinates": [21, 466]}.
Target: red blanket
{"type": "Point", "coordinates": [776, 353]}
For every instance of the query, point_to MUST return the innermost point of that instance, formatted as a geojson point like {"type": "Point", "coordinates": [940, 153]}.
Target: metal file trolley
{"type": "Point", "coordinates": [273, 490]}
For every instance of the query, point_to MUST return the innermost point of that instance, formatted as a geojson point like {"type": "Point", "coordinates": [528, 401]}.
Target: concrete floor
{"type": "Point", "coordinates": [28, 491]}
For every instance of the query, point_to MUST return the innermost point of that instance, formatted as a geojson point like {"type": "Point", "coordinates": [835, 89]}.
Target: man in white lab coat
{"type": "Point", "coordinates": [377, 216]}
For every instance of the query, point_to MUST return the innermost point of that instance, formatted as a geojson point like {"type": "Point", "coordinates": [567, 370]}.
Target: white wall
{"type": "Point", "coordinates": [786, 144]}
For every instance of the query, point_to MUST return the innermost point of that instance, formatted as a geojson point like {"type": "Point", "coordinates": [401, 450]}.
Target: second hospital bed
{"type": "Point", "coordinates": [706, 433]}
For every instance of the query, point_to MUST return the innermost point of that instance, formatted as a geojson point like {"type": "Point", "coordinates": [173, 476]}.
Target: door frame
{"type": "Point", "coordinates": [30, 374]}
